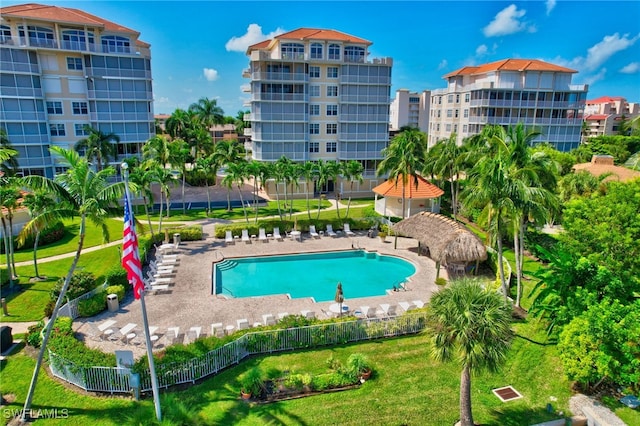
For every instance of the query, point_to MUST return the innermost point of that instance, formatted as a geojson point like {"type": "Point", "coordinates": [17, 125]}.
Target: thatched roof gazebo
{"type": "Point", "coordinates": [448, 242]}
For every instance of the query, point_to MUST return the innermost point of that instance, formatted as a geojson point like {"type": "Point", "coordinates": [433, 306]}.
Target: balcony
{"type": "Point", "coordinates": [364, 118]}
{"type": "Point", "coordinates": [279, 76]}
{"type": "Point", "coordinates": [117, 72]}
{"type": "Point", "coordinates": [280, 116]}
{"type": "Point", "coordinates": [359, 155]}
{"type": "Point", "coordinates": [23, 116]}
{"type": "Point", "coordinates": [364, 79]}
{"type": "Point", "coordinates": [294, 97]}
{"type": "Point", "coordinates": [123, 116]}
{"type": "Point", "coordinates": [365, 99]}
{"type": "Point", "coordinates": [76, 46]}
{"type": "Point", "coordinates": [119, 94]}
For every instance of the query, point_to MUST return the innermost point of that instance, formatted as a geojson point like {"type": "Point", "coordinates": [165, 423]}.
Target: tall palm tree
{"type": "Point", "coordinates": [352, 171]}
{"type": "Point", "coordinates": [252, 169]}
{"type": "Point", "coordinates": [143, 175]}
{"type": "Point", "coordinates": [163, 177]}
{"type": "Point", "coordinates": [98, 145]}
{"type": "Point", "coordinates": [157, 149]}
{"type": "Point", "coordinates": [8, 155]}
{"type": "Point", "coordinates": [208, 112]}
{"type": "Point", "coordinates": [472, 325]}
{"type": "Point", "coordinates": [324, 171]}
{"type": "Point", "coordinates": [179, 122]}
{"type": "Point", "coordinates": [208, 167]}
{"type": "Point", "coordinates": [227, 152]}
{"type": "Point", "coordinates": [403, 158]}
{"type": "Point", "coordinates": [38, 203]}
{"type": "Point", "coordinates": [178, 156]}
{"type": "Point", "coordinates": [81, 192]}
{"type": "Point", "coordinates": [237, 173]}
{"type": "Point", "coordinates": [239, 121]}
{"type": "Point", "coordinates": [283, 172]}
{"type": "Point", "coordinates": [307, 171]}
{"type": "Point", "coordinates": [9, 195]}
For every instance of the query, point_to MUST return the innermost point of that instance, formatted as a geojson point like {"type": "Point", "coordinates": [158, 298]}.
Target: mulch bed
{"type": "Point", "coordinates": [274, 391]}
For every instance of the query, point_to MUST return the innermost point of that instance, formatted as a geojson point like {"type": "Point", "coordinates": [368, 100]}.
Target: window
{"type": "Point", "coordinates": [414, 100]}
{"type": "Point", "coordinates": [80, 129]}
{"type": "Point", "coordinates": [314, 146]}
{"type": "Point", "coordinates": [292, 51]}
{"type": "Point", "coordinates": [455, 128]}
{"type": "Point", "coordinates": [456, 113]}
{"type": "Point", "coordinates": [465, 113]}
{"type": "Point", "coordinates": [448, 127]}
{"type": "Point", "coordinates": [57, 129]}
{"type": "Point", "coordinates": [316, 51]}
{"type": "Point", "coordinates": [334, 51]}
{"type": "Point", "coordinates": [74, 63]}
{"type": "Point", "coordinates": [467, 96]}
{"type": "Point", "coordinates": [314, 129]}
{"type": "Point", "coordinates": [5, 34]}
{"type": "Point", "coordinates": [457, 98]}
{"type": "Point", "coordinates": [450, 99]}
{"type": "Point", "coordinates": [332, 72]}
{"type": "Point", "coordinates": [314, 109]}
{"type": "Point", "coordinates": [115, 44]}
{"type": "Point", "coordinates": [314, 72]}
{"type": "Point", "coordinates": [438, 127]}
{"type": "Point", "coordinates": [354, 54]}
{"type": "Point", "coordinates": [77, 39]}
{"type": "Point", "coordinates": [464, 128]}
{"type": "Point", "coordinates": [314, 90]}
{"type": "Point", "coordinates": [439, 113]}
{"type": "Point", "coordinates": [79, 108]}
{"type": "Point", "coordinates": [439, 100]}
{"type": "Point", "coordinates": [332, 109]}
{"type": "Point", "coordinates": [332, 129]}
{"type": "Point", "coordinates": [332, 146]}
{"type": "Point", "coordinates": [449, 113]}
{"type": "Point", "coordinates": [332, 90]}
{"type": "Point", "coordinates": [54, 107]}
{"type": "Point", "coordinates": [38, 36]}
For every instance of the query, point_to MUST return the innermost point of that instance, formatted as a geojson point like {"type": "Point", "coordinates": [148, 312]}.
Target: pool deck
{"type": "Point", "coordinates": [188, 302]}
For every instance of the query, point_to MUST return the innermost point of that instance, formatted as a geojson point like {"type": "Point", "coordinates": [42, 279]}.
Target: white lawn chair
{"type": "Point", "coordinates": [419, 303]}
{"type": "Point", "coordinates": [330, 231]}
{"type": "Point", "coordinates": [348, 231]}
{"type": "Point", "coordinates": [368, 311]}
{"type": "Point", "coordinates": [268, 319]}
{"type": "Point", "coordinates": [217, 329]}
{"type": "Point", "coordinates": [388, 310]}
{"type": "Point", "coordinates": [262, 235]}
{"type": "Point", "coordinates": [243, 324]}
{"type": "Point", "coordinates": [313, 232]}
{"type": "Point", "coordinates": [245, 236]}
{"type": "Point", "coordinates": [228, 237]}
{"type": "Point", "coordinates": [406, 306]}
{"type": "Point", "coordinates": [276, 234]}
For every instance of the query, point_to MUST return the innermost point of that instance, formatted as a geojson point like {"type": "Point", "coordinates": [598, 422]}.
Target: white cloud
{"type": "Point", "coordinates": [210, 74]}
{"type": "Point", "coordinates": [507, 21]}
{"type": "Point", "coordinates": [161, 100]}
{"type": "Point", "coordinates": [252, 36]}
{"type": "Point", "coordinates": [551, 4]}
{"type": "Point", "coordinates": [590, 79]}
{"type": "Point", "coordinates": [631, 68]}
{"type": "Point", "coordinates": [600, 52]}
{"type": "Point", "coordinates": [443, 64]}
{"type": "Point", "coordinates": [482, 50]}
{"type": "Point", "coordinates": [245, 87]}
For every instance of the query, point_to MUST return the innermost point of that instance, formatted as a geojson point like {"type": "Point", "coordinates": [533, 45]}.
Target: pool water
{"type": "Point", "coordinates": [316, 275]}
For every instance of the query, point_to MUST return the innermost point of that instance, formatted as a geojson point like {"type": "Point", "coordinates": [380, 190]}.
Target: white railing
{"type": "Point", "coordinates": [70, 309]}
{"type": "Point", "coordinates": [116, 380]}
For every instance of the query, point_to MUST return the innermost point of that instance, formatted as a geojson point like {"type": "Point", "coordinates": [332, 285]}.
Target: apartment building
{"type": "Point", "coordinates": [315, 94]}
{"type": "Point", "coordinates": [62, 69]}
{"type": "Point", "coordinates": [603, 115]}
{"type": "Point", "coordinates": [538, 94]}
{"type": "Point", "coordinates": [410, 109]}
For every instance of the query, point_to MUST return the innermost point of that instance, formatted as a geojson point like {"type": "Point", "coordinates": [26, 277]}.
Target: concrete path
{"type": "Point", "coordinates": [18, 327]}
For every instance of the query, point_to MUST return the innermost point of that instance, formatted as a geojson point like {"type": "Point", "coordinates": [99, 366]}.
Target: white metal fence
{"type": "Point", "coordinates": [116, 380]}
{"type": "Point", "coordinates": [70, 309]}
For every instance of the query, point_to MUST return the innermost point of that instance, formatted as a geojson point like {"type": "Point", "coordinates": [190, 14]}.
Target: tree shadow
{"type": "Point", "coordinates": [518, 416]}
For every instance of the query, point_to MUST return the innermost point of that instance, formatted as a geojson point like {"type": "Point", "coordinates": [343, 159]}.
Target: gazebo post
{"type": "Point", "coordinates": [437, 269]}
{"type": "Point", "coordinates": [475, 271]}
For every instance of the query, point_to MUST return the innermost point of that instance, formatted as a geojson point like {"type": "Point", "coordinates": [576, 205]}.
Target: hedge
{"type": "Point", "coordinates": [93, 305]}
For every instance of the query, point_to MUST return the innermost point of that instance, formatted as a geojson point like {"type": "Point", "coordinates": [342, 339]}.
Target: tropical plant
{"type": "Point", "coordinates": [236, 173]}
{"type": "Point", "coordinates": [306, 170]}
{"type": "Point", "coordinates": [227, 152]}
{"type": "Point", "coordinates": [325, 171]}
{"type": "Point", "coordinates": [473, 325]}
{"type": "Point", "coordinates": [143, 175]}
{"type": "Point", "coordinates": [37, 203]}
{"type": "Point", "coordinates": [253, 169]}
{"type": "Point", "coordinates": [208, 112]}
{"type": "Point", "coordinates": [9, 196]}
{"type": "Point", "coordinates": [179, 122]}
{"type": "Point", "coordinates": [157, 149]}
{"type": "Point", "coordinates": [179, 152]}
{"type": "Point", "coordinates": [352, 171]}
{"type": "Point", "coordinates": [208, 167]}
{"type": "Point", "coordinates": [81, 192]}
{"type": "Point", "coordinates": [98, 145]}
{"type": "Point", "coordinates": [8, 155]}
{"type": "Point", "coordinates": [252, 381]}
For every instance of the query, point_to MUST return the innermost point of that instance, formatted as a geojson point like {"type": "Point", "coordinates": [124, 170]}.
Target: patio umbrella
{"type": "Point", "coordinates": [339, 298]}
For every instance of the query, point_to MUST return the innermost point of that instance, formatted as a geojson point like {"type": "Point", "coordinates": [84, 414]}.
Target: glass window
{"type": "Point", "coordinates": [77, 39]}
{"type": "Point", "coordinates": [314, 129]}
{"type": "Point", "coordinates": [74, 63]}
{"type": "Point", "coordinates": [439, 113]}
{"type": "Point", "coordinates": [464, 128]}
{"type": "Point", "coordinates": [465, 113]}
{"type": "Point", "coordinates": [314, 90]}
{"type": "Point", "coordinates": [80, 129]}
{"type": "Point", "coordinates": [314, 109]}
{"type": "Point", "coordinates": [79, 108]}
{"type": "Point", "coordinates": [115, 44]}
{"type": "Point", "coordinates": [316, 51]}
{"type": "Point", "coordinates": [450, 98]}
{"type": "Point", "coordinates": [437, 127]}
{"type": "Point", "coordinates": [38, 36]}
{"type": "Point", "coordinates": [57, 129]}
{"type": "Point", "coordinates": [449, 113]}
{"type": "Point", "coordinates": [457, 98]}
{"type": "Point", "coordinates": [332, 109]}
{"type": "Point", "coordinates": [439, 100]}
{"type": "Point", "coordinates": [54, 107]}
{"type": "Point", "coordinates": [332, 146]}
{"type": "Point", "coordinates": [292, 51]}
{"type": "Point", "coordinates": [332, 90]}
{"type": "Point", "coordinates": [456, 113]}
{"type": "Point", "coordinates": [5, 34]}
{"type": "Point", "coordinates": [448, 127]}
{"type": "Point", "coordinates": [314, 146]}
{"type": "Point", "coordinates": [467, 96]}
{"type": "Point", "coordinates": [314, 72]}
{"type": "Point", "coordinates": [332, 129]}
{"type": "Point", "coordinates": [455, 128]}
{"type": "Point", "coordinates": [354, 54]}
{"type": "Point", "coordinates": [332, 72]}
{"type": "Point", "coordinates": [334, 51]}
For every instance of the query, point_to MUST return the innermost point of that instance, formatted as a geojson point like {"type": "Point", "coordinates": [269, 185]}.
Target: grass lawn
{"type": "Point", "coordinates": [28, 303]}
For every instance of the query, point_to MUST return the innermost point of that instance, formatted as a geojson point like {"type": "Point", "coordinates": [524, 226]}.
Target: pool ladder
{"type": "Point", "coordinates": [226, 264]}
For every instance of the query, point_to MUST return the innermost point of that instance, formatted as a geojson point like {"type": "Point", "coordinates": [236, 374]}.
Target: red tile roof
{"type": "Point", "coordinates": [312, 34]}
{"type": "Point", "coordinates": [65, 15]}
{"type": "Point", "coordinates": [596, 117]}
{"type": "Point", "coordinates": [424, 189]}
{"type": "Point", "coordinates": [605, 99]}
{"type": "Point", "coordinates": [510, 65]}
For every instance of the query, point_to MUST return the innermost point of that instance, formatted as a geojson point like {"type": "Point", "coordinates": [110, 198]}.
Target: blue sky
{"type": "Point", "coordinates": [198, 47]}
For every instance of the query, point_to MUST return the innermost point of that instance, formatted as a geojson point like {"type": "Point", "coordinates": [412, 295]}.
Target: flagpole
{"type": "Point", "coordinates": [143, 308]}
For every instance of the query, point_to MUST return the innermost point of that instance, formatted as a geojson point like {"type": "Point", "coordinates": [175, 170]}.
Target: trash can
{"type": "Point", "coordinates": [6, 338]}
{"type": "Point", "coordinates": [176, 239]}
{"type": "Point", "coordinates": [112, 302]}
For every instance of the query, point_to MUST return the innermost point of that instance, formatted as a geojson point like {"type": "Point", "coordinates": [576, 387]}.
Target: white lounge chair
{"type": "Point", "coordinates": [348, 231]}
{"type": "Point", "coordinates": [217, 329]}
{"type": "Point", "coordinates": [313, 232]}
{"type": "Point", "coordinates": [388, 310]}
{"type": "Point", "coordinates": [268, 319]}
{"type": "Point", "coordinates": [368, 311]}
{"type": "Point", "coordinates": [245, 236]}
{"type": "Point", "coordinates": [419, 303]}
{"type": "Point", "coordinates": [243, 324]}
{"type": "Point", "coordinates": [158, 287]}
{"type": "Point", "coordinates": [308, 314]}
{"type": "Point", "coordinates": [406, 306]}
{"type": "Point", "coordinates": [330, 231]}
{"type": "Point", "coordinates": [228, 237]}
{"type": "Point", "coordinates": [276, 234]}
{"type": "Point", "coordinates": [262, 235]}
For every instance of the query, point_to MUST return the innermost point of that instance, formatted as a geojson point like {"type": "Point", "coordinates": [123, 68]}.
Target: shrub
{"type": "Point", "coordinates": [81, 283]}
{"type": "Point", "coordinates": [48, 308]}
{"type": "Point", "coordinates": [33, 334]}
{"type": "Point", "coordinates": [93, 305]}
{"type": "Point", "coordinates": [252, 380]}
{"type": "Point", "coordinates": [49, 235]}
{"type": "Point", "coordinates": [117, 276]}
{"type": "Point", "coordinates": [118, 290]}
{"type": "Point", "coordinates": [441, 281]}
{"type": "Point", "coordinates": [358, 363]}
{"type": "Point", "coordinates": [187, 233]}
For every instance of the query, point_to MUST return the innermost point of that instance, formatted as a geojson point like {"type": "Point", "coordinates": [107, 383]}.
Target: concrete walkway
{"type": "Point", "coordinates": [18, 327]}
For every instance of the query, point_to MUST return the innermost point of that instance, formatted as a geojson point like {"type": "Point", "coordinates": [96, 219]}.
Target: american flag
{"type": "Point", "coordinates": [130, 255]}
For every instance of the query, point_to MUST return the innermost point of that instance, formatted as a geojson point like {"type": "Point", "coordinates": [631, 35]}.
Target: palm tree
{"type": "Point", "coordinates": [8, 155]}
{"type": "Point", "coordinates": [143, 175]}
{"type": "Point", "coordinates": [9, 195]}
{"type": "Point", "coordinates": [163, 177]}
{"type": "Point", "coordinates": [239, 121]}
{"type": "Point", "coordinates": [403, 158]}
{"type": "Point", "coordinates": [473, 325]}
{"type": "Point", "coordinates": [208, 112]}
{"type": "Point", "coordinates": [208, 167]}
{"type": "Point", "coordinates": [38, 203]}
{"type": "Point", "coordinates": [237, 173]}
{"type": "Point", "coordinates": [252, 169]}
{"type": "Point", "coordinates": [307, 171]}
{"type": "Point", "coordinates": [98, 145]}
{"type": "Point", "coordinates": [179, 152]}
{"type": "Point", "coordinates": [179, 122]}
{"type": "Point", "coordinates": [157, 149]}
{"type": "Point", "coordinates": [81, 192]}
{"type": "Point", "coordinates": [283, 172]}
{"type": "Point", "coordinates": [227, 152]}
{"type": "Point", "coordinates": [352, 171]}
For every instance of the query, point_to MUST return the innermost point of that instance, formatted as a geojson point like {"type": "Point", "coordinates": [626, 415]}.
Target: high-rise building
{"type": "Point", "coordinates": [410, 109]}
{"type": "Point", "coordinates": [603, 115]}
{"type": "Point", "coordinates": [62, 69]}
{"type": "Point", "coordinates": [537, 94]}
{"type": "Point", "coordinates": [316, 95]}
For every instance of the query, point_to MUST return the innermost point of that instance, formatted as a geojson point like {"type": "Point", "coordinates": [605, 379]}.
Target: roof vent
{"type": "Point", "coordinates": [602, 159]}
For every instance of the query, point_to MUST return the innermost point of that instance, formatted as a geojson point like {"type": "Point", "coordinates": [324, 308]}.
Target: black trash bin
{"type": "Point", "coordinates": [6, 338]}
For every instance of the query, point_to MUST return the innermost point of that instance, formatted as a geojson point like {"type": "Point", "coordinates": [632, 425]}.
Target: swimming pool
{"type": "Point", "coordinates": [362, 274]}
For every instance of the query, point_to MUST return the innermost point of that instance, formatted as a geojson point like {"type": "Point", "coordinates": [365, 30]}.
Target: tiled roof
{"type": "Point", "coordinates": [510, 65]}
{"type": "Point", "coordinates": [62, 15]}
{"type": "Point", "coordinates": [605, 99]}
{"type": "Point", "coordinates": [312, 34]}
{"type": "Point", "coordinates": [619, 173]}
{"type": "Point", "coordinates": [596, 117]}
{"type": "Point", "coordinates": [423, 190]}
